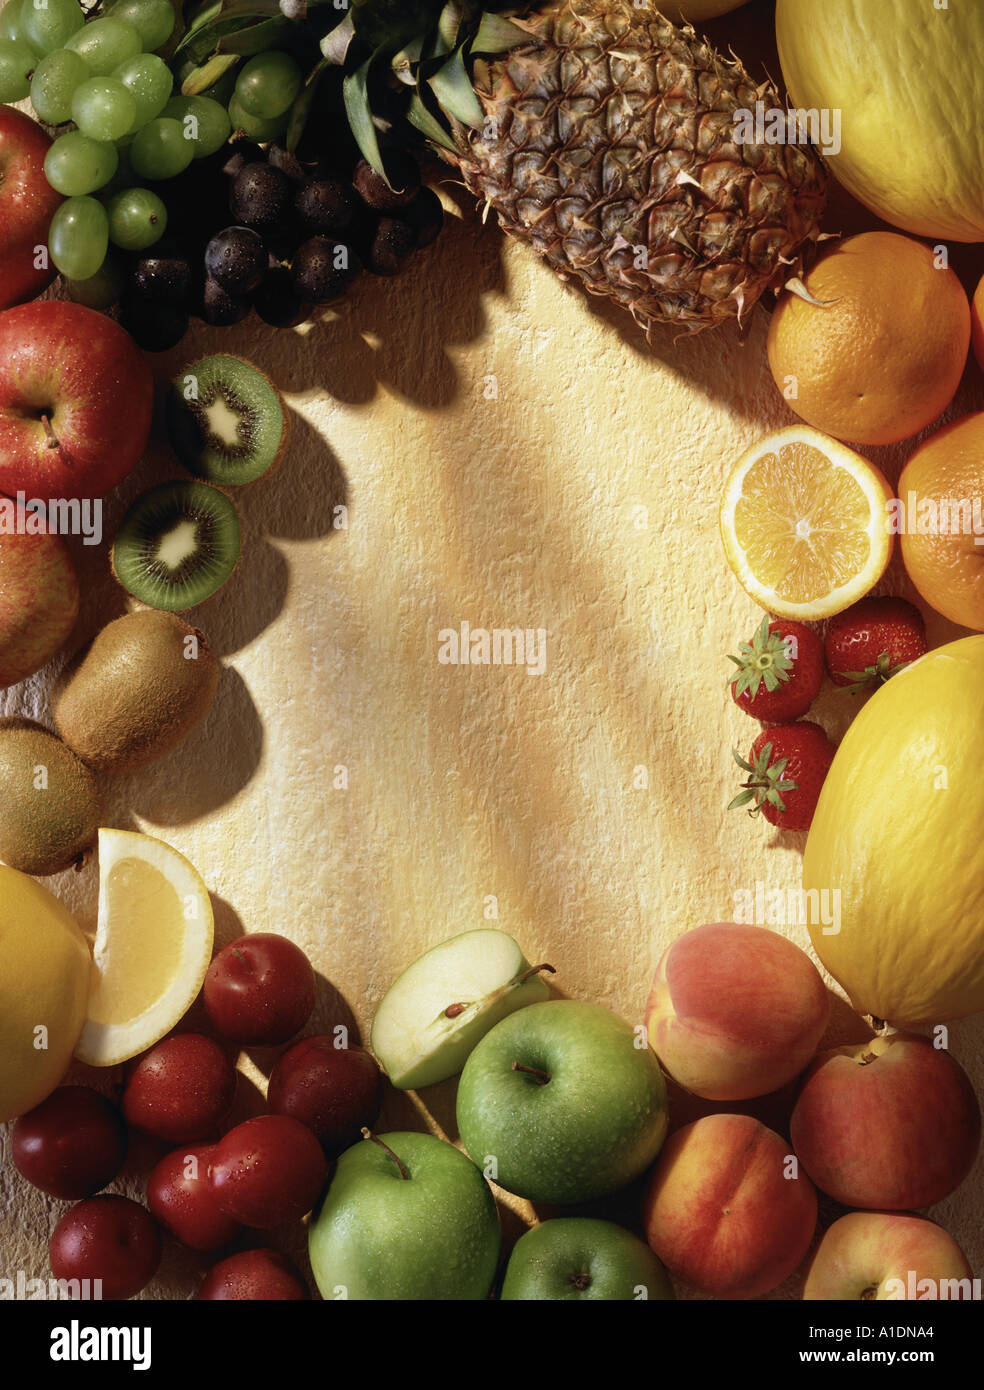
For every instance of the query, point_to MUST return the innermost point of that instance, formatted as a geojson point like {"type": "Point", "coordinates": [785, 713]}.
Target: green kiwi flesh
{"type": "Point", "coordinates": [139, 688]}
{"type": "Point", "coordinates": [51, 800]}
{"type": "Point", "coordinates": [177, 545]}
{"type": "Point", "coordinates": [227, 421]}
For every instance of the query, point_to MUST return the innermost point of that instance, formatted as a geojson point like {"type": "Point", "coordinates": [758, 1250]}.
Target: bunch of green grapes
{"type": "Point", "coordinates": [104, 77]}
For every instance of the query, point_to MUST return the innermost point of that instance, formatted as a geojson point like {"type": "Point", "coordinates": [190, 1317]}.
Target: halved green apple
{"type": "Point", "coordinates": [443, 1005]}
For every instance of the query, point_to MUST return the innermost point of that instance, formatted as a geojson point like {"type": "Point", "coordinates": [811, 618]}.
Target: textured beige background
{"type": "Point", "coordinates": [583, 499]}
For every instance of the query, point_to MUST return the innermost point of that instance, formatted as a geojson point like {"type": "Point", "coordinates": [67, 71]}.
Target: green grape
{"type": "Point", "coordinates": [205, 123]}
{"type": "Point", "coordinates": [253, 126]}
{"type": "Point", "coordinates": [49, 24]}
{"type": "Point", "coordinates": [137, 218]}
{"type": "Point", "coordinates": [153, 20]}
{"type": "Point", "coordinates": [104, 44]}
{"type": "Point", "coordinates": [149, 79]}
{"type": "Point", "coordinates": [53, 85]}
{"type": "Point", "coordinates": [75, 164]}
{"type": "Point", "coordinates": [17, 62]}
{"type": "Point", "coordinates": [78, 237]}
{"type": "Point", "coordinates": [268, 84]}
{"type": "Point", "coordinates": [103, 108]}
{"type": "Point", "coordinates": [100, 290]}
{"type": "Point", "coordinates": [11, 22]}
{"type": "Point", "coordinates": [160, 150]}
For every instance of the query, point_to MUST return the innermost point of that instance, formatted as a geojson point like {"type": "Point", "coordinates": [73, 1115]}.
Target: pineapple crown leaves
{"type": "Point", "coordinates": [765, 659]}
{"type": "Point", "coordinates": [426, 45]}
{"type": "Point", "coordinates": [765, 783]}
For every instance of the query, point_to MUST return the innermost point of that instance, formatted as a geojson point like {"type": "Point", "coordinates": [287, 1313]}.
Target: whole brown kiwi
{"type": "Point", "coordinates": [139, 688]}
{"type": "Point", "coordinates": [50, 800]}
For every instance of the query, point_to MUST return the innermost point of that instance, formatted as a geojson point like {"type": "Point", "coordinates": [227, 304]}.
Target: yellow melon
{"type": "Point", "coordinates": [908, 81]}
{"type": "Point", "coordinates": [897, 834]}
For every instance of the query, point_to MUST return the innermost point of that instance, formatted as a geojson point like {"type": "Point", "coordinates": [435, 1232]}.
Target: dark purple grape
{"type": "Point", "coordinates": [220, 308]}
{"type": "Point", "coordinates": [325, 206]}
{"type": "Point", "coordinates": [391, 246]}
{"type": "Point", "coordinates": [236, 259]}
{"type": "Point", "coordinates": [277, 301]}
{"type": "Point", "coordinates": [153, 327]}
{"type": "Point", "coordinates": [261, 197]}
{"type": "Point", "coordinates": [324, 269]}
{"type": "Point", "coordinates": [162, 275]}
{"type": "Point", "coordinates": [404, 182]}
{"type": "Point", "coordinates": [426, 215]}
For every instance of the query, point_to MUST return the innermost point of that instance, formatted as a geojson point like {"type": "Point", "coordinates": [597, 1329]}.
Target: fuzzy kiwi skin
{"type": "Point", "coordinates": [44, 828]}
{"type": "Point", "coordinates": [132, 695]}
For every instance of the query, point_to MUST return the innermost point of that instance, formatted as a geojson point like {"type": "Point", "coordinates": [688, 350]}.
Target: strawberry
{"type": "Point", "coordinates": [871, 640]}
{"type": "Point", "coordinates": [780, 671]}
{"type": "Point", "coordinates": [786, 769]}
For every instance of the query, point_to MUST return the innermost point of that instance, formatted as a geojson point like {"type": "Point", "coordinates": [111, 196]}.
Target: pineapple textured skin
{"type": "Point", "coordinates": [609, 146]}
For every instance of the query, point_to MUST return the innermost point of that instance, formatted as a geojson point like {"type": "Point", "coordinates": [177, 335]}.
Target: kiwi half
{"type": "Point", "coordinates": [139, 688]}
{"type": "Point", "coordinates": [177, 545]}
{"type": "Point", "coordinates": [227, 421]}
{"type": "Point", "coordinates": [51, 800]}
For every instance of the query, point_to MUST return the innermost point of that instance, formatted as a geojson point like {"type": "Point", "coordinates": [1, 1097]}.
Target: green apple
{"type": "Point", "coordinates": [577, 1257]}
{"type": "Point", "coordinates": [442, 1005]}
{"type": "Point", "coordinates": [562, 1103]}
{"type": "Point", "coordinates": [406, 1216]}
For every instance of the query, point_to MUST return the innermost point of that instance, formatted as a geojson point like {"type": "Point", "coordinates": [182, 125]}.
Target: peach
{"type": "Point", "coordinates": [890, 1124]}
{"type": "Point", "coordinates": [727, 1209]}
{"type": "Point", "coordinates": [882, 1255]}
{"type": "Point", "coordinates": [735, 1011]}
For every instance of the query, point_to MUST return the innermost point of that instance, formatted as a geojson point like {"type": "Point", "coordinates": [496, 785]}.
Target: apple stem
{"type": "Point", "coordinates": [535, 970]}
{"type": "Point", "coordinates": [52, 437]}
{"type": "Point", "coordinates": [368, 1134]}
{"type": "Point", "coordinates": [541, 1076]}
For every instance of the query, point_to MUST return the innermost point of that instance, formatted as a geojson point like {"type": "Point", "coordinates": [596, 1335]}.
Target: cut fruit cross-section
{"type": "Point", "coordinates": [805, 524]}
{"type": "Point", "coordinates": [152, 948]}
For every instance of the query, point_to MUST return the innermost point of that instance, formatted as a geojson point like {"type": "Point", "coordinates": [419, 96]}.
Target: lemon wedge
{"type": "Point", "coordinates": [153, 945]}
{"type": "Point", "coordinates": [805, 524]}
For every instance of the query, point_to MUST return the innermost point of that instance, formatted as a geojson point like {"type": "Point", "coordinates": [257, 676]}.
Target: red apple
{"type": "Point", "coordinates": [27, 203]}
{"type": "Point", "coordinates": [884, 1255]}
{"type": "Point", "coordinates": [39, 590]}
{"type": "Point", "coordinates": [727, 1209]}
{"type": "Point", "coordinates": [75, 401]}
{"type": "Point", "coordinates": [889, 1124]}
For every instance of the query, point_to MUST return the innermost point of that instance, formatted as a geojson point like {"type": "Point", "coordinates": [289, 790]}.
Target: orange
{"type": "Point", "coordinates": [942, 491]}
{"type": "Point", "coordinates": [883, 355]}
{"type": "Point", "coordinates": [977, 323]}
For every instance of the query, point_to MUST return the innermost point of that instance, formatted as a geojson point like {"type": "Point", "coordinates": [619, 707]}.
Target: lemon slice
{"type": "Point", "coordinates": [152, 949]}
{"type": "Point", "coordinates": [805, 524]}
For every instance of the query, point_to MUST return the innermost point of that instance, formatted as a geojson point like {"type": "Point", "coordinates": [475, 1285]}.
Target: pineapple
{"type": "Point", "coordinates": [599, 132]}
{"type": "Point", "coordinates": [606, 143]}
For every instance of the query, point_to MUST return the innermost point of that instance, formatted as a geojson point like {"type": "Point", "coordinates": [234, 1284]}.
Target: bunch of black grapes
{"type": "Point", "coordinates": [260, 228]}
